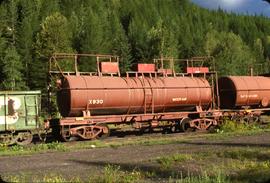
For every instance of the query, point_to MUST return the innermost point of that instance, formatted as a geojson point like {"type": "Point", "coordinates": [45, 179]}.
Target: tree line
{"type": "Point", "coordinates": [136, 30]}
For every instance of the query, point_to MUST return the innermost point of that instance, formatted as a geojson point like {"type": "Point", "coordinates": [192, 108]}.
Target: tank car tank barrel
{"type": "Point", "coordinates": [239, 91]}
{"type": "Point", "coordinates": [103, 95]}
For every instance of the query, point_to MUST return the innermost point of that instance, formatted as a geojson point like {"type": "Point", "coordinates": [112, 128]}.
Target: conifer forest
{"type": "Point", "coordinates": [135, 30]}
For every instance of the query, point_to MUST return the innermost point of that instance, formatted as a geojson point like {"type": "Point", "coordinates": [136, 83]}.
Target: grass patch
{"type": "Point", "coordinates": [169, 161]}
{"type": "Point", "coordinates": [24, 150]}
{"type": "Point", "coordinates": [258, 174]}
{"type": "Point", "coordinates": [50, 178]}
{"type": "Point", "coordinates": [110, 174]}
{"type": "Point", "coordinates": [113, 173]}
{"type": "Point", "coordinates": [204, 178]}
{"type": "Point", "coordinates": [231, 128]}
{"type": "Point", "coordinates": [245, 154]}
{"type": "Point", "coordinates": [221, 165]}
{"type": "Point", "coordinates": [243, 165]}
{"type": "Point", "coordinates": [235, 170]}
{"type": "Point", "coordinates": [62, 147]}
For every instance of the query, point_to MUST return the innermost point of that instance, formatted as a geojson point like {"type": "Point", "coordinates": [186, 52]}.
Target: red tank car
{"type": "Point", "coordinates": [104, 95]}
{"type": "Point", "coordinates": [244, 91]}
{"type": "Point", "coordinates": [154, 96]}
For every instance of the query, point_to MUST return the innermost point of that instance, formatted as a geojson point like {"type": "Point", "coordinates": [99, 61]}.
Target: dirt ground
{"type": "Point", "coordinates": [90, 162]}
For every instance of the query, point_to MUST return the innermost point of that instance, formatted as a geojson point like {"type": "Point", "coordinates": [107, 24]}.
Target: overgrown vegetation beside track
{"type": "Point", "coordinates": [240, 127]}
{"type": "Point", "coordinates": [24, 150]}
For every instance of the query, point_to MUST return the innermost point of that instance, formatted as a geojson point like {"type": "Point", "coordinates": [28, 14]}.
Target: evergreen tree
{"type": "Point", "coordinates": [48, 8]}
{"type": "Point", "coordinates": [95, 38]}
{"type": "Point", "coordinates": [54, 37]}
{"type": "Point", "coordinates": [258, 50]}
{"type": "Point", "coordinates": [29, 25]}
{"type": "Point", "coordinates": [8, 19]}
{"type": "Point", "coordinates": [11, 69]}
{"type": "Point", "coordinates": [3, 45]}
{"type": "Point", "coordinates": [120, 45]}
{"type": "Point", "coordinates": [162, 41]}
{"type": "Point", "coordinates": [11, 65]}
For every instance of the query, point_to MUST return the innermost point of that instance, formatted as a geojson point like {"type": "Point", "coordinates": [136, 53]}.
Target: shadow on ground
{"type": "Point", "coordinates": [1, 180]}
{"type": "Point", "coordinates": [230, 144]}
{"type": "Point", "coordinates": [151, 169]}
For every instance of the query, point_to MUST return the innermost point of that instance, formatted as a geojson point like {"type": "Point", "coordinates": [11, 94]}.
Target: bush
{"type": "Point", "coordinates": [233, 126]}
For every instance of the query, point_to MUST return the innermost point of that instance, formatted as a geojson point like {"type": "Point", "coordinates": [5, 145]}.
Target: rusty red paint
{"type": "Point", "coordinates": [239, 91]}
{"type": "Point", "coordinates": [146, 67]}
{"type": "Point", "coordinates": [117, 95]}
{"type": "Point", "coordinates": [109, 67]}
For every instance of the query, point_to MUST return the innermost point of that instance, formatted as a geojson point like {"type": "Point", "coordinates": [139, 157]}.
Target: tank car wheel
{"type": "Point", "coordinates": [166, 130]}
{"type": "Point", "coordinates": [65, 135]}
{"type": "Point", "coordinates": [104, 135]}
{"type": "Point", "coordinates": [251, 119]}
{"type": "Point", "coordinates": [69, 139]}
{"type": "Point", "coordinates": [212, 129]}
{"type": "Point", "coordinates": [237, 119]}
{"type": "Point", "coordinates": [256, 119]}
{"type": "Point", "coordinates": [246, 119]}
{"type": "Point", "coordinates": [144, 130]}
{"type": "Point", "coordinates": [24, 138]}
{"type": "Point", "coordinates": [185, 126]}
{"type": "Point", "coordinates": [175, 128]}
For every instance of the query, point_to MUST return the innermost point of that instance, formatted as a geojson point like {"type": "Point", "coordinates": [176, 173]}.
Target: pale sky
{"type": "Point", "coordinates": [238, 6]}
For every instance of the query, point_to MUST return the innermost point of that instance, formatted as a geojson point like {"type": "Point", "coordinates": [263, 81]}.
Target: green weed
{"type": "Point", "coordinates": [114, 174]}
{"type": "Point", "coordinates": [232, 126]}
{"type": "Point", "coordinates": [56, 146]}
{"type": "Point", "coordinates": [24, 150]}
{"type": "Point", "coordinates": [50, 178]}
{"type": "Point", "coordinates": [53, 179]}
{"type": "Point", "coordinates": [204, 178]}
{"type": "Point", "coordinates": [245, 154]}
{"type": "Point", "coordinates": [14, 179]}
{"type": "Point", "coordinates": [169, 161]}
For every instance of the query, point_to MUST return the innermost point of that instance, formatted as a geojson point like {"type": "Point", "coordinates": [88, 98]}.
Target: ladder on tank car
{"type": "Point", "coordinates": [148, 96]}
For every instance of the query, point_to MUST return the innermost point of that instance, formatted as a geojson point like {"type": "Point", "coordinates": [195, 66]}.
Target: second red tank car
{"type": "Point", "coordinates": [244, 91]}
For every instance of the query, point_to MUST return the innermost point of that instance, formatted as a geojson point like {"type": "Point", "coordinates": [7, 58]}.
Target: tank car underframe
{"type": "Point", "coordinates": [96, 126]}
{"type": "Point", "coordinates": [244, 115]}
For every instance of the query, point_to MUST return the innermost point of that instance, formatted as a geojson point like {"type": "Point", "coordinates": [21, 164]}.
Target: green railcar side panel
{"type": "Point", "coordinates": [31, 109]}
{"type": "Point", "coordinates": [19, 110]}
{"type": "Point", "coordinates": [2, 113]}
